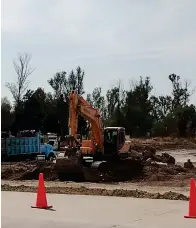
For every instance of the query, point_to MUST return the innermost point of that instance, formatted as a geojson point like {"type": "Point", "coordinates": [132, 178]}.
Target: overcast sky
{"type": "Point", "coordinates": [110, 40]}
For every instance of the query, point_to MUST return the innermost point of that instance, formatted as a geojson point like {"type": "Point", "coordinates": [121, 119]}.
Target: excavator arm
{"type": "Point", "coordinates": [79, 106]}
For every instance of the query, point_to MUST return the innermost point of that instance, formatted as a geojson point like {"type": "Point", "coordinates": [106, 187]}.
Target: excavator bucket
{"type": "Point", "coordinates": [69, 169]}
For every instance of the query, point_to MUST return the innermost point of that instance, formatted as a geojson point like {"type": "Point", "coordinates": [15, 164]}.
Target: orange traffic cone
{"type": "Point", "coordinates": [192, 200]}
{"type": "Point", "coordinates": [41, 201]}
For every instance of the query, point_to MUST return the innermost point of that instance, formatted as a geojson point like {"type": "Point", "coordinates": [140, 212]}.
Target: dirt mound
{"type": "Point", "coordinates": [28, 171]}
{"type": "Point", "coordinates": [142, 147]}
{"type": "Point", "coordinates": [163, 173]}
{"type": "Point", "coordinates": [97, 191]}
{"type": "Point", "coordinates": [150, 172]}
{"type": "Point", "coordinates": [158, 143]}
{"type": "Point", "coordinates": [70, 171]}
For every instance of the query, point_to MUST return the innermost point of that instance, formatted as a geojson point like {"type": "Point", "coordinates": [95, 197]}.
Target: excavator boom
{"type": "Point", "coordinates": [79, 106]}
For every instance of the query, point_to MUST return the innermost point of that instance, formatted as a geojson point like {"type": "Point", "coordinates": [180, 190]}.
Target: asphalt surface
{"type": "Point", "coordinates": [92, 211]}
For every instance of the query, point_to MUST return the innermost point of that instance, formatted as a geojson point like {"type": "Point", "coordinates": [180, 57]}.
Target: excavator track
{"type": "Point", "coordinates": [99, 171]}
{"type": "Point", "coordinates": [119, 170]}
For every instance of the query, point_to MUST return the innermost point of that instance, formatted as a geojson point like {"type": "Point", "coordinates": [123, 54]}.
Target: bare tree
{"type": "Point", "coordinates": [23, 70]}
{"type": "Point", "coordinates": [188, 91]}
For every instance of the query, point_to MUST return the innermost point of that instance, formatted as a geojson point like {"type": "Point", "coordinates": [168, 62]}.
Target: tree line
{"type": "Point", "coordinates": [136, 108]}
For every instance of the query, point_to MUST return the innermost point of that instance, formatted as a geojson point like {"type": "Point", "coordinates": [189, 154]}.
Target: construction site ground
{"type": "Point", "coordinates": [159, 182]}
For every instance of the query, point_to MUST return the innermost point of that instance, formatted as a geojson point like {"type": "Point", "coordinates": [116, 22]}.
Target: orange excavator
{"type": "Point", "coordinates": [104, 151]}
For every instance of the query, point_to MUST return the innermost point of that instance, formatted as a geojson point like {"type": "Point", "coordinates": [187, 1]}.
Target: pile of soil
{"type": "Point", "coordinates": [158, 144]}
{"type": "Point", "coordinates": [97, 191]}
{"type": "Point", "coordinates": [31, 170]}
{"type": "Point", "coordinates": [156, 172]}
{"type": "Point", "coordinates": [151, 172]}
{"type": "Point", "coordinates": [28, 171]}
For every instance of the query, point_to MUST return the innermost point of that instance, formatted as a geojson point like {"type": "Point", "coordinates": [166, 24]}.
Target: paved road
{"type": "Point", "coordinates": [92, 212]}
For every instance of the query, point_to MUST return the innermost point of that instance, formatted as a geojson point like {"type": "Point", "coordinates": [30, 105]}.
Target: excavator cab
{"type": "Point", "coordinates": [114, 140]}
